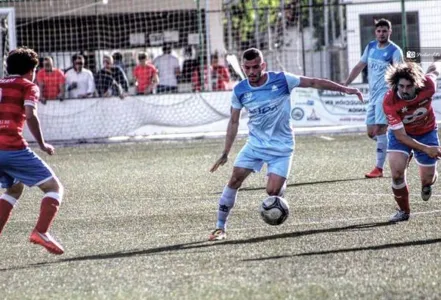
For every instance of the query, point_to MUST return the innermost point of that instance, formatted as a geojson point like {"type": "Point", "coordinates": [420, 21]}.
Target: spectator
{"type": "Point", "coordinates": [51, 81]}
{"type": "Point", "coordinates": [118, 75]}
{"type": "Point", "coordinates": [220, 74]}
{"type": "Point", "coordinates": [118, 60]}
{"type": "Point", "coordinates": [220, 77]}
{"type": "Point", "coordinates": [146, 75]}
{"type": "Point", "coordinates": [189, 65]}
{"type": "Point", "coordinates": [106, 85]}
{"type": "Point", "coordinates": [168, 68]}
{"type": "Point", "coordinates": [79, 80]}
{"type": "Point", "coordinates": [196, 77]}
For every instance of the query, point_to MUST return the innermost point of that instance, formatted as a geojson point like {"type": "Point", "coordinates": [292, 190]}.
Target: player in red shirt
{"type": "Point", "coordinates": [146, 75]}
{"type": "Point", "coordinates": [412, 129]}
{"type": "Point", "coordinates": [19, 165]}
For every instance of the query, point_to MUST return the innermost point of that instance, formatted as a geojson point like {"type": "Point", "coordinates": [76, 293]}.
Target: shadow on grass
{"type": "Point", "coordinates": [200, 245]}
{"type": "Point", "coordinates": [305, 184]}
{"type": "Point", "coordinates": [354, 249]}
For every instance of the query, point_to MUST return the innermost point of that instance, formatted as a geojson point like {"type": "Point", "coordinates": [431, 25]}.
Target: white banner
{"type": "Point", "coordinates": [311, 107]}
{"type": "Point", "coordinates": [188, 113]}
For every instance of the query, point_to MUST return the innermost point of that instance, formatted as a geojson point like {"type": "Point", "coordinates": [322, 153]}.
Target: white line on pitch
{"type": "Point", "coordinates": [327, 138]}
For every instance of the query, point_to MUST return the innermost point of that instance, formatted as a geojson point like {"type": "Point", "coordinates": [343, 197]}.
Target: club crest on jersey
{"type": "Point", "coordinates": [247, 96]}
{"type": "Point", "coordinates": [274, 88]}
{"type": "Point", "coordinates": [404, 109]}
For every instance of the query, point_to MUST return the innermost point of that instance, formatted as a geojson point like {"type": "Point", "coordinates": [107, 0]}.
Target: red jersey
{"type": "Point", "coordinates": [220, 77]}
{"type": "Point", "coordinates": [144, 76]}
{"type": "Point", "coordinates": [15, 93]}
{"type": "Point", "coordinates": [416, 115]}
{"type": "Point", "coordinates": [51, 82]}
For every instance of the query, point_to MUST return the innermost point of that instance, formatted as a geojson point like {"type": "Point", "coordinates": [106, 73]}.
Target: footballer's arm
{"type": "Point", "coordinates": [434, 68]}
{"type": "Point", "coordinates": [34, 126]}
{"type": "Point", "coordinates": [324, 84]}
{"type": "Point", "coordinates": [402, 137]}
{"type": "Point", "coordinates": [232, 129]}
{"type": "Point", "coordinates": [355, 72]}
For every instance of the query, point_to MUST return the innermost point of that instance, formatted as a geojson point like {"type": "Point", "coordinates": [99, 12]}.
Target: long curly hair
{"type": "Point", "coordinates": [409, 71]}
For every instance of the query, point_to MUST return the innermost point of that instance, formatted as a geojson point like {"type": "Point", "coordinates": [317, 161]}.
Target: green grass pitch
{"type": "Point", "coordinates": [136, 217]}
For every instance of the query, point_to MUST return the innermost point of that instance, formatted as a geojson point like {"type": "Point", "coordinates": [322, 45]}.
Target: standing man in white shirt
{"type": "Point", "coordinates": [168, 69]}
{"type": "Point", "coordinates": [80, 81]}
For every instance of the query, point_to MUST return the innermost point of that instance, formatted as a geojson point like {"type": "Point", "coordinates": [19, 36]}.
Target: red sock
{"type": "Point", "coordinates": [402, 198]}
{"type": "Point", "coordinates": [5, 213]}
{"type": "Point", "coordinates": [48, 210]}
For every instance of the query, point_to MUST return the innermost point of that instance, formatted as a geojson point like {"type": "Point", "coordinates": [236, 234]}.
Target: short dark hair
{"type": "Point", "coordinates": [21, 61]}
{"type": "Point", "coordinates": [166, 48]}
{"type": "Point", "coordinates": [117, 56]}
{"type": "Point", "coordinates": [142, 55]}
{"type": "Point", "coordinates": [77, 56]}
{"type": "Point", "coordinates": [251, 54]}
{"type": "Point", "coordinates": [383, 22]}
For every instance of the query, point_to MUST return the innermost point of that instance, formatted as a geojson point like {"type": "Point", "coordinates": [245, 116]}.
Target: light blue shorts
{"type": "Point", "coordinates": [375, 113]}
{"type": "Point", "coordinates": [429, 139]}
{"type": "Point", "coordinates": [23, 166]}
{"type": "Point", "coordinates": [249, 158]}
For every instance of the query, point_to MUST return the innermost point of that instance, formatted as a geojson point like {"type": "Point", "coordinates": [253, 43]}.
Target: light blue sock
{"type": "Point", "coordinates": [381, 150]}
{"type": "Point", "coordinates": [226, 203]}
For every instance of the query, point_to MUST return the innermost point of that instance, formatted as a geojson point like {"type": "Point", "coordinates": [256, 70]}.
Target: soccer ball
{"type": "Point", "coordinates": [274, 210]}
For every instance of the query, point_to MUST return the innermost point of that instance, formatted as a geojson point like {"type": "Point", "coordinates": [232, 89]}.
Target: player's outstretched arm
{"type": "Point", "coordinates": [355, 72]}
{"type": "Point", "coordinates": [434, 68]}
{"type": "Point", "coordinates": [324, 84]}
{"type": "Point", "coordinates": [233, 127]}
{"type": "Point", "coordinates": [402, 137]}
{"type": "Point", "coordinates": [34, 126]}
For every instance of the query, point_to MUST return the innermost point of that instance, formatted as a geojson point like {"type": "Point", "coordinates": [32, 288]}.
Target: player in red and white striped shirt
{"type": "Point", "coordinates": [412, 129]}
{"type": "Point", "coordinates": [19, 165]}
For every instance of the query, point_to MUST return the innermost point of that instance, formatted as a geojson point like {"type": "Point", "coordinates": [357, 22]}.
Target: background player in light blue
{"type": "Point", "coordinates": [266, 96]}
{"type": "Point", "coordinates": [378, 55]}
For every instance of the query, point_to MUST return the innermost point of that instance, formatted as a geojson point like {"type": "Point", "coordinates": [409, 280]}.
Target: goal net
{"type": "Point", "coordinates": [312, 38]}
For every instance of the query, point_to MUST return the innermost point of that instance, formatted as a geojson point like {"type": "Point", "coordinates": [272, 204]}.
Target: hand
{"type": "Point", "coordinates": [48, 148]}
{"type": "Point", "coordinates": [122, 95]}
{"type": "Point", "coordinates": [43, 101]}
{"type": "Point", "coordinates": [72, 86]}
{"type": "Point", "coordinates": [352, 91]}
{"type": "Point", "coordinates": [433, 151]}
{"type": "Point", "coordinates": [220, 162]}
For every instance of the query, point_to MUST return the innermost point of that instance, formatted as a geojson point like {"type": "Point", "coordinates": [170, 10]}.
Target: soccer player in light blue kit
{"type": "Point", "coordinates": [266, 96]}
{"type": "Point", "coordinates": [378, 55]}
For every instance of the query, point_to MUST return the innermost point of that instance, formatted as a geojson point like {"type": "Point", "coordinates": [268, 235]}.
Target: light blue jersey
{"type": "Point", "coordinates": [378, 60]}
{"type": "Point", "coordinates": [269, 107]}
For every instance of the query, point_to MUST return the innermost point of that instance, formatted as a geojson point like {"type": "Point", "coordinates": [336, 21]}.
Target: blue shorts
{"type": "Point", "coordinates": [249, 158]}
{"type": "Point", "coordinates": [430, 139]}
{"type": "Point", "coordinates": [23, 166]}
{"type": "Point", "coordinates": [375, 113]}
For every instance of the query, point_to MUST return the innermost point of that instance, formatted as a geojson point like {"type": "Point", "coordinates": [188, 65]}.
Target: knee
{"type": "Point", "coordinates": [371, 134]}
{"type": "Point", "coordinates": [52, 186]}
{"type": "Point", "coordinates": [16, 190]}
{"type": "Point", "coordinates": [398, 179]}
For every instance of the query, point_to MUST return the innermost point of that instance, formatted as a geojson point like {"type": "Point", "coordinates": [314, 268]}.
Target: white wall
{"type": "Point", "coordinates": [428, 15]}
